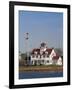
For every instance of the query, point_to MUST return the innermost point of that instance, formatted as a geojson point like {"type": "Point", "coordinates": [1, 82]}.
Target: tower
{"type": "Point", "coordinates": [27, 52]}
{"type": "Point", "coordinates": [43, 46]}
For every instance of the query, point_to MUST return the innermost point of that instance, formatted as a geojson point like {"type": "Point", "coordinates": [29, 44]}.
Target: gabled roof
{"type": "Point", "coordinates": [55, 57]}
{"type": "Point", "coordinates": [49, 50]}
{"type": "Point", "coordinates": [36, 50]}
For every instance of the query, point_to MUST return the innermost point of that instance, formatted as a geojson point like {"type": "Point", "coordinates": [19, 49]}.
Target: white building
{"type": "Point", "coordinates": [45, 56]}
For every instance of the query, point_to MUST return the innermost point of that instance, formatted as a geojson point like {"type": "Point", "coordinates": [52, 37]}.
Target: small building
{"type": "Point", "coordinates": [45, 56]}
{"type": "Point", "coordinates": [57, 60]}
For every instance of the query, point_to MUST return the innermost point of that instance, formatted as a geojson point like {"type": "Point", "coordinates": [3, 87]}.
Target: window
{"type": "Point", "coordinates": [48, 61]}
{"type": "Point", "coordinates": [44, 56]}
{"type": "Point", "coordinates": [42, 61]}
{"type": "Point", "coordinates": [47, 55]}
{"type": "Point", "coordinates": [35, 52]}
{"type": "Point", "coordinates": [37, 56]}
{"type": "Point", "coordinates": [46, 52]}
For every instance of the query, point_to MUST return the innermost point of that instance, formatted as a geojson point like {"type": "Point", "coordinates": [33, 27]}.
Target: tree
{"type": "Point", "coordinates": [23, 56]}
{"type": "Point", "coordinates": [59, 51]}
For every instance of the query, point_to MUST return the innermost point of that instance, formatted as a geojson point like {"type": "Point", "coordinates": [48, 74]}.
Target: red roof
{"type": "Point", "coordinates": [55, 57]}
{"type": "Point", "coordinates": [49, 50]}
{"type": "Point", "coordinates": [37, 50]}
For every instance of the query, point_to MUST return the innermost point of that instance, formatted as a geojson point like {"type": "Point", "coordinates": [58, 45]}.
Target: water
{"type": "Point", "coordinates": [29, 75]}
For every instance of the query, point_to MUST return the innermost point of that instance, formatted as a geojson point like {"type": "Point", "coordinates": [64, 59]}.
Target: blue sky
{"type": "Point", "coordinates": [42, 27]}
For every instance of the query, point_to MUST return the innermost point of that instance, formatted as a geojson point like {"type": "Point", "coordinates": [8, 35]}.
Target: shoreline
{"type": "Point", "coordinates": [40, 68]}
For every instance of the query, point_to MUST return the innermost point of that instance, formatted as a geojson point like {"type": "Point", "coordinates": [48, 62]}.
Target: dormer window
{"type": "Point", "coordinates": [46, 52]}
{"type": "Point", "coordinates": [35, 52]}
{"type": "Point", "coordinates": [38, 56]}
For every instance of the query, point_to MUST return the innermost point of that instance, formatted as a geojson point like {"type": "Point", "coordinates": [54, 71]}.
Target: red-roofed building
{"type": "Point", "coordinates": [45, 56]}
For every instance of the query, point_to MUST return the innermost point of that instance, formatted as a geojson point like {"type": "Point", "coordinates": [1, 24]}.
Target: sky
{"type": "Point", "coordinates": [42, 27]}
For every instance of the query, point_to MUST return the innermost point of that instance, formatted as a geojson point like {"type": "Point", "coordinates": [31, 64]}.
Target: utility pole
{"type": "Point", "coordinates": [27, 52]}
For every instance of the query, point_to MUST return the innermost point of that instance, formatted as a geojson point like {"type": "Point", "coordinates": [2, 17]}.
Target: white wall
{"type": "Point", "coordinates": [4, 44]}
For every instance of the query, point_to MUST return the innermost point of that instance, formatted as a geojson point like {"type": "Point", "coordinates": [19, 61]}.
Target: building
{"type": "Point", "coordinates": [45, 56]}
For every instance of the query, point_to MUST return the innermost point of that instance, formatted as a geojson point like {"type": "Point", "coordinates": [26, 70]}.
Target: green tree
{"type": "Point", "coordinates": [59, 51]}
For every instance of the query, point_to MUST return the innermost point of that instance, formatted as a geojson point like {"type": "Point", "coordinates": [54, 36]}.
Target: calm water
{"type": "Point", "coordinates": [28, 75]}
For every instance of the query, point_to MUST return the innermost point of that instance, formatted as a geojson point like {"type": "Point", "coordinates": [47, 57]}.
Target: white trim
{"type": "Point", "coordinates": [16, 28]}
